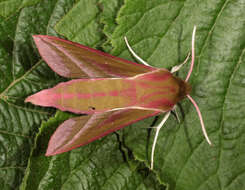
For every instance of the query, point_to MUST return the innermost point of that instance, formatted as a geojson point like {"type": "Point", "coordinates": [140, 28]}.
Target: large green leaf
{"type": "Point", "coordinates": [160, 32]}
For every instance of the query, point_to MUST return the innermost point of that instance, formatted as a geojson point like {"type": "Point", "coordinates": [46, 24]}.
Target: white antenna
{"type": "Point", "coordinates": [134, 54]}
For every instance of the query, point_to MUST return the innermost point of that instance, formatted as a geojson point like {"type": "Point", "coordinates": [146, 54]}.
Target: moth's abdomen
{"type": "Point", "coordinates": [88, 95]}
{"type": "Point", "coordinates": [158, 90]}
{"type": "Point", "coordinates": [98, 95]}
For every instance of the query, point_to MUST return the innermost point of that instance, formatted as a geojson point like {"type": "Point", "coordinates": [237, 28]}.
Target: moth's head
{"type": "Point", "coordinates": [184, 89]}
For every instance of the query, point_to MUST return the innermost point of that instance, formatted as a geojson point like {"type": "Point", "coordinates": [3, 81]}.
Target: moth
{"type": "Point", "coordinates": [113, 92]}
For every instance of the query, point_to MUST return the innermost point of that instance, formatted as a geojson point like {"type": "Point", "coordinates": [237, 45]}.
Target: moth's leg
{"type": "Point", "coordinates": [156, 135]}
{"type": "Point", "coordinates": [134, 54]}
{"type": "Point", "coordinates": [177, 67]}
{"type": "Point", "coordinates": [176, 113]}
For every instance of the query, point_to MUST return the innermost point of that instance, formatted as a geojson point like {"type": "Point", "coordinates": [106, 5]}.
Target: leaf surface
{"type": "Point", "coordinates": [8, 7]}
{"type": "Point", "coordinates": [81, 26]}
{"type": "Point", "coordinates": [108, 18]}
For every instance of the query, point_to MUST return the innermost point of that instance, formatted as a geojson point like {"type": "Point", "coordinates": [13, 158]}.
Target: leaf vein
{"type": "Point", "coordinates": [13, 134]}
{"type": "Point", "coordinates": [27, 109]}
{"type": "Point", "coordinates": [19, 79]}
{"type": "Point", "coordinates": [12, 167]}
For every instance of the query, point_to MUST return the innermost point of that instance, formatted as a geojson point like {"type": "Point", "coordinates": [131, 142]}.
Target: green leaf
{"type": "Point", "coordinates": [160, 32]}
{"type": "Point", "coordinates": [81, 23]}
{"type": "Point", "coordinates": [8, 7]}
{"type": "Point", "coordinates": [108, 18]}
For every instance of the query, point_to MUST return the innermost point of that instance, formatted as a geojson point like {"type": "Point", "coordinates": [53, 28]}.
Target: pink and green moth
{"type": "Point", "coordinates": [113, 92]}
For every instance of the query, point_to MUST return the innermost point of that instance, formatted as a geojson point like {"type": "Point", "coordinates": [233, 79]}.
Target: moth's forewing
{"type": "Point", "coordinates": [82, 130]}
{"type": "Point", "coordinates": [73, 60]}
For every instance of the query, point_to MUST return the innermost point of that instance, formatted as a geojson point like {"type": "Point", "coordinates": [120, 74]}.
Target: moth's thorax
{"type": "Point", "coordinates": [161, 89]}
